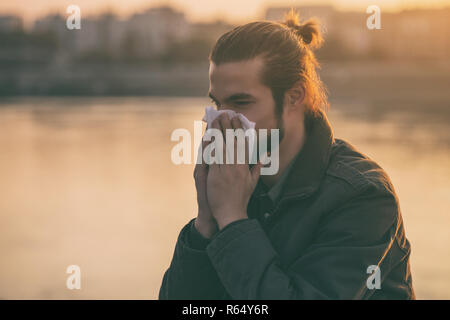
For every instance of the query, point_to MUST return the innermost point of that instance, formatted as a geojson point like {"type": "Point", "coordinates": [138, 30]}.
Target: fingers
{"type": "Point", "coordinates": [236, 122]}
{"type": "Point", "coordinates": [205, 143]}
{"type": "Point", "coordinates": [204, 159]}
{"type": "Point", "coordinates": [216, 124]}
{"type": "Point", "coordinates": [225, 122]}
{"type": "Point", "coordinates": [200, 170]}
{"type": "Point", "coordinates": [256, 172]}
{"type": "Point", "coordinates": [222, 123]}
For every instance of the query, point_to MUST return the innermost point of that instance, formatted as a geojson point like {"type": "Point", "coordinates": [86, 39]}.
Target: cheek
{"type": "Point", "coordinates": [263, 116]}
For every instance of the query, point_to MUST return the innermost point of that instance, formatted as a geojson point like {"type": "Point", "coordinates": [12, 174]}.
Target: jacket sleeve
{"type": "Point", "coordinates": [352, 238]}
{"type": "Point", "coordinates": [190, 274]}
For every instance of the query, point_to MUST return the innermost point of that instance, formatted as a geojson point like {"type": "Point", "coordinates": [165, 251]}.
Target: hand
{"type": "Point", "coordinates": [230, 185]}
{"type": "Point", "coordinates": [205, 222]}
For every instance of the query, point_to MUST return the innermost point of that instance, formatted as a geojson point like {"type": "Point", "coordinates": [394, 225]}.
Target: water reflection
{"type": "Point", "coordinates": [90, 182]}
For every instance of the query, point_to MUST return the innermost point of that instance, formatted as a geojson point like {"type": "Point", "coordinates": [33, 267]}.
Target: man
{"type": "Point", "coordinates": [326, 226]}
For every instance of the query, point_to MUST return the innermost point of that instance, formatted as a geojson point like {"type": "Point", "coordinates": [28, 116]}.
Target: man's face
{"type": "Point", "coordinates": [237, 86]}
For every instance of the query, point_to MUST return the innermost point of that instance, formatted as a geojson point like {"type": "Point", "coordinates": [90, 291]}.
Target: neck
{"type": "Point", "coordinates": [289, 147]}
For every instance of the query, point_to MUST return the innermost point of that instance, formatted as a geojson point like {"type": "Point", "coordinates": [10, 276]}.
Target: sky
{"type": "Point", "coordinates": [198, 10]}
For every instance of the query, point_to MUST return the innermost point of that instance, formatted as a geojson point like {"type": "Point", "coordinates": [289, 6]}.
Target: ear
{"type": "Point", "coordinates": [295, 97]}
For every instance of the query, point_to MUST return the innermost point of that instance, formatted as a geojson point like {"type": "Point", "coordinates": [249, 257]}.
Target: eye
{"type": "Point", "coordinates": [242, 103]}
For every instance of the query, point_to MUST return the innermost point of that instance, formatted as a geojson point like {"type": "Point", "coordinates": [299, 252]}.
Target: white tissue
{"type": "Point", "coordinates": [211, 114]}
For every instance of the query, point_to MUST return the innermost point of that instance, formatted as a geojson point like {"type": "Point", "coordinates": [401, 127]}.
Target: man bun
{"type": "Point", "coordinates": [308, 31]}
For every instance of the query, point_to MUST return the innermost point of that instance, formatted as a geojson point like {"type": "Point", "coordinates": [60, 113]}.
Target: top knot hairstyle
{"type": "Point", "coordinates": [308, 31]}
{"type": "Point", "coordinates": [287, 49]}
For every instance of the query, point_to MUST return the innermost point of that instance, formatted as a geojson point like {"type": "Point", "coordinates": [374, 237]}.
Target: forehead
{"type": "Point", "coordinates": [229, 77]}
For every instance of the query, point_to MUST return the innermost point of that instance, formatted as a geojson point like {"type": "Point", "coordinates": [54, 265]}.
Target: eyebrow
{"type": "Point", "coordinates": [233, 97]}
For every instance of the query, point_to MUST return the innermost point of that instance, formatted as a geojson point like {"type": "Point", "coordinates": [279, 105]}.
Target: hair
{"type": "Point", "coordinates": [287, 49]}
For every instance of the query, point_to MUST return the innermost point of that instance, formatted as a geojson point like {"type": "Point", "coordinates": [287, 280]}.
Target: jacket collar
{"type": "Point", "coordinates": [309, 165]}
{"type": "Point", "coordinates": [312, 160]}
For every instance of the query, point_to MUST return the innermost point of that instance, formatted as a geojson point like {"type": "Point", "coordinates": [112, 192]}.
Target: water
{"type": "Point", "coordinates": [90, 182]}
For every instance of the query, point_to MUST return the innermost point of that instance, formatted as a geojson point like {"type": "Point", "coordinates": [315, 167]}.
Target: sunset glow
{"type": "Point", "coordinates": [200, 10]}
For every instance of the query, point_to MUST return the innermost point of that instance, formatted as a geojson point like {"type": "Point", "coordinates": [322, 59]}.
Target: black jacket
{"type": "Point", "coordinates": [337, 215]}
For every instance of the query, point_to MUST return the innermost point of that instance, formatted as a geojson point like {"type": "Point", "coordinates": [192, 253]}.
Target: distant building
{"type": "Point", "coordinates": [346, 29]}
{"type": "Point", "coordinates": [100, 34]}
{"type": "Point", "coordinates": [10, 23]}
{"type": "Point", "coordinates": [407, 34]}
{"type": "Point", "coordinates": [156, 28]}
{"type": "Point", "coordinates": [415, 34]}
{"type": "Point", "coordinates": [349, 29]}
{"type": "Point", "coordinates": [55, 25]}
{"type": "Point", "coordinates": [210, 31]}
{"type": "Point", "coordinates": [52, 22]}
{"type": "Point", "coordinates": [163, 32]}
{"type": "Point", "coordinates": [146, 34]}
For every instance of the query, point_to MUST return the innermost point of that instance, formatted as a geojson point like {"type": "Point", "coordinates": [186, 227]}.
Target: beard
{"type": "Point", "coordinates": [281, 131]}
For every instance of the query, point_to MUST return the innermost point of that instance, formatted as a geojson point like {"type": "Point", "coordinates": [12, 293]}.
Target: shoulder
{"type": "Point", "coordinates": [356, 170]}
{"type": "Point", "coordinates": [362, 198]}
